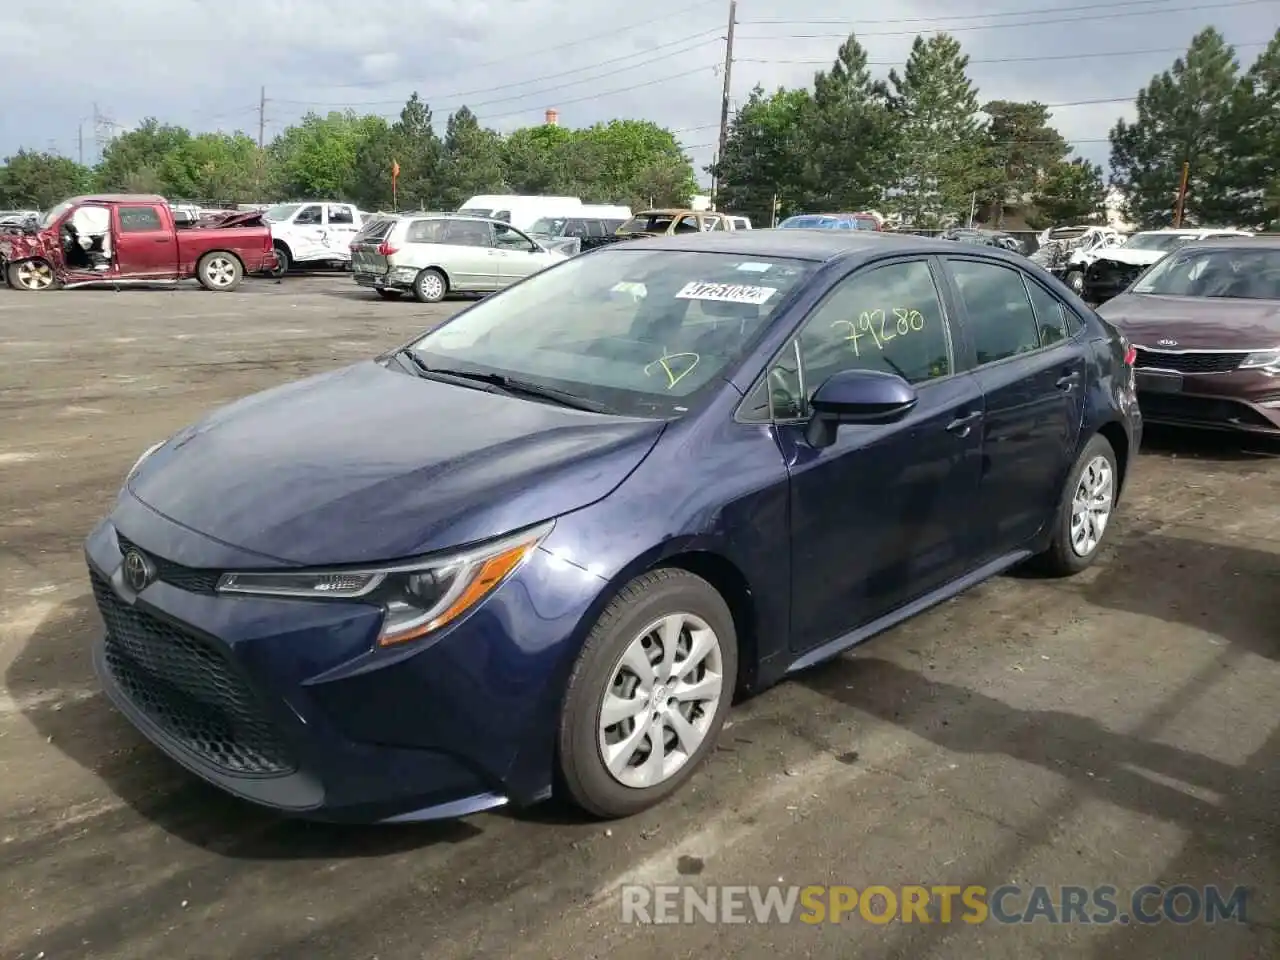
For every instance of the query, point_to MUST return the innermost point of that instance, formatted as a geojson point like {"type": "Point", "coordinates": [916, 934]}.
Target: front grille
{"type": "Point", "coordinates": [188, 688]}
{"type": "Point", "coordinates": [174, 574]}
{"type": "Point", "coordinates": [1188, 362]}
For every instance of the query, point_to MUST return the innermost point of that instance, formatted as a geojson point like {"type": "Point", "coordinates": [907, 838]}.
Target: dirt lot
{"type": "Point", "coordinates": [1122, 728]}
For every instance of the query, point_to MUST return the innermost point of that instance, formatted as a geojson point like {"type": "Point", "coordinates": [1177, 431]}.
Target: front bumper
{"type": "Point", "coordinates": [290, 705]}
{"type": "Point", "coordinates": [1245, 401]}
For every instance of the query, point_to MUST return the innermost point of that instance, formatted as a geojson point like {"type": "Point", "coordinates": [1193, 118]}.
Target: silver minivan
{"type": "Point", "coordinates": [430, 255]}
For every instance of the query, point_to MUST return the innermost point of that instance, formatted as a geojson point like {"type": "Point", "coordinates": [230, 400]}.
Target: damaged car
{"type": "Point", "coordinates": [1066, 251]}
{"type": "Point", "coordinates": [1204, 326]}
{"type": "Point", "coordinates": [1108, 272]}
{"type": "Point", "coordinates": [112, 239]}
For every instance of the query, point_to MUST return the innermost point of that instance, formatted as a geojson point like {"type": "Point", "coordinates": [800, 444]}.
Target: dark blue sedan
{"type": "Point", "coordinates": [543, 546]}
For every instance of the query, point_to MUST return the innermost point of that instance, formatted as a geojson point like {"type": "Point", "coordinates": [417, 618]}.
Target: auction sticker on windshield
{"type": "Point", "coordinates": [725, 292]}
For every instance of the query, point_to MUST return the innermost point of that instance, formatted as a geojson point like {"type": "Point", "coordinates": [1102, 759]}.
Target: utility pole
{"type": "Point", "coordinates": [724, 101]}
{"type": "Point", "coordinates": [262, 118]}
{"type": "Point", "coordinates": [80, 142]}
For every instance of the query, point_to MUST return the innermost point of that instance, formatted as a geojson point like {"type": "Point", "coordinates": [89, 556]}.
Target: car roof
{"type": "Point", "coordinates": [1181, 230]}
{"type": "Point", "coordinates": [1241, 241]}
{"type": "Point", "coordinates": [120, 198]}
{"type": "Point", "coordinates": [818, 245]}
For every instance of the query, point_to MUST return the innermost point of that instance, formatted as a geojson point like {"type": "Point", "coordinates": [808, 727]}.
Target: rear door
{"type": "Point", "coordinates": [1033, 380]}
{"type": "Point", "coordinates": [306, 234]}
{"type": "Point", "coordinates": [468, 255]}
{"type": "Point", "coordinates": [340, 229]}
{"type": "Point", "coordinates": [146, 246]}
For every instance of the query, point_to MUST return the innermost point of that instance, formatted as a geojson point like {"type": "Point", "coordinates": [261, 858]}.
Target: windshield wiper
{"type": "Point", "coordinates": [514, 385]}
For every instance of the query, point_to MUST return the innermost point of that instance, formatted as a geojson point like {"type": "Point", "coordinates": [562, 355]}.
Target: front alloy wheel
{"type": "Point", "coordinates": [31, 275]}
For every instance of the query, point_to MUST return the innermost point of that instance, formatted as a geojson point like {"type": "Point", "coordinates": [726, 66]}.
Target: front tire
{"type": "Point", "coordinates": [648, 695]}
{"type": "Point", "coordinates": [430, 286]}
{"type": "Point", "coordinates": [1084, 511]}
{"type": "Point", "coordinates": [219, 271]}
{"type": "Point", "coordinates": [1075, 280]}
{"type": "Point", "coordinates": [32, 276]}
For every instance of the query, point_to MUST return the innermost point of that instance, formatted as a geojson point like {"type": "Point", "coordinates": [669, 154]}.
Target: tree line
{"type": "Point", "coordinates": [920, 144]}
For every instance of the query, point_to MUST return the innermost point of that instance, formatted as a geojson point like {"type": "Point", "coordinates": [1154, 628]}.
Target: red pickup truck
{"type": "Point", "coordinates": [114, 238]}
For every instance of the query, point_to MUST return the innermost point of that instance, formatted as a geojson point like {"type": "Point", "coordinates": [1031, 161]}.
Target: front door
{"type": "Point", "coordinates": [884, 515]}
{"type": "Point", "coordinates": [307, 237]}
{"type": "Point", "coordinates": [146, 248]}
{"type": "Point", "coordinates": [516, 257]}
{"type": "Point", "coordinates": [1033, 371]}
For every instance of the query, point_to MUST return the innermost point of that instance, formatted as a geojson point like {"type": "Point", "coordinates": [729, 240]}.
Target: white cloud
{"type": "Point", "coordinates": [202, 64]}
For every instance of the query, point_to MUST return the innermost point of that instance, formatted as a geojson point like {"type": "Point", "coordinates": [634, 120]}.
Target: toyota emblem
{"type": "Point", "coordinates": [138, 571]}
{"type": "Point", "coordinates": [1166, 343]}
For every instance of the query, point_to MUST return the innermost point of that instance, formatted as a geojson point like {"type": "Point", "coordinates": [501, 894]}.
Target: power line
{"type": "Point", "coordinates": [982, 60]}
{"type": "Point", "coordinates": [687, 48]}
{"type": "Point", "coordinates": [1030, 23]}
{"type": "Point", "coordinates": [611, 34]}
{"type": "Point", "coordinates": [772, 21]}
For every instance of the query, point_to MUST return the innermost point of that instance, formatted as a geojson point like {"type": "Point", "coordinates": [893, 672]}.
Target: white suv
{"type": "Point", "coordinates": [312, 233]}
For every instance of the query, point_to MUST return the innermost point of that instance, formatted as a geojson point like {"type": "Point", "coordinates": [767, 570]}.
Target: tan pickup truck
{"type": "Point", "coordinates": [662, 223]}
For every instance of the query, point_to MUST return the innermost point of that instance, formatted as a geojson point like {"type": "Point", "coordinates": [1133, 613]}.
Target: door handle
{"type": "Point", "coordinates": [1068, 380]}
{"type": "Point", "coordinates": [161, 239]}
{"type": "Point", "coordinates": [961, 425]}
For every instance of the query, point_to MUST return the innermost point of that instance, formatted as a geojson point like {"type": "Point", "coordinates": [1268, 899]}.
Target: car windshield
{"type": "Point", "coordinates": [647, 223]}
{"type": "Point", "coordinates": [280, 212]}
{"type": "Point", "coordinates": [807, 221]}
{"type": "Point", "coordinates": [548, 226]}
{"type": "Point", "coordinates": [645, 333]}
{"type": "Point", "coordinates": [50, 218]}
{"type": "Point", "coordinates": [1157, 241]}
{"type": "Point", "coordinates": [1232, 273]}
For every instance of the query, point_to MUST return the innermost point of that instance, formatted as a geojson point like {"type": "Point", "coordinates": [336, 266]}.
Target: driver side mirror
{"type": "Point", "coordinates": [857, 397]}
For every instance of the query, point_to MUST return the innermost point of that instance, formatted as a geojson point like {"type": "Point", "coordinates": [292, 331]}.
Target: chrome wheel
{"type": "Point", "coordinates": [661, 700]}
{"type": "Point", "coordinates": [1091, 506]}
{"type": "Point", "coordinates": [431, 286]}
{"type": "Point", "coordinates": [34, 275]}
{"type": "Point", "coordinates": [220, 271]}
{"type": "Point", "coordinates": [1076, 282]}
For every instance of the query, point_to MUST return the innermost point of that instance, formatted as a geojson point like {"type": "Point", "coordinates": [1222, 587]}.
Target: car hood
{"type": "Point", "coordinates": [1136, 258]}
{"type": "Point", "coordinates": [367, 463]}
{"type": "Point", "coordinates": [1195, 322]}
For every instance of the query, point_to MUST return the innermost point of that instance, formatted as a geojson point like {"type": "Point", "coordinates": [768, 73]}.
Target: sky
{"type": "Point", "coordinates": [205, 64]}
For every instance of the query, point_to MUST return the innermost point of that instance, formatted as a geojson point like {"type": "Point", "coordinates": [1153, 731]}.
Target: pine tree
{"type": "Point", "coordinates": [1253, 133]}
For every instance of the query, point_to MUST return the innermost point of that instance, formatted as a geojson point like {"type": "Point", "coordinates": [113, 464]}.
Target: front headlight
{"type": "Point", "coordinates": [1268, 360]}
{"type": "Point", "coordinates": [418, 597]}
{"type": "Point", "coordinates": [137, 463]}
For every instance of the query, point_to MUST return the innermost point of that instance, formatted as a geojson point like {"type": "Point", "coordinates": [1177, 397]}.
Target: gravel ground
{"type": "Point", "coordinates": [1121, 728]}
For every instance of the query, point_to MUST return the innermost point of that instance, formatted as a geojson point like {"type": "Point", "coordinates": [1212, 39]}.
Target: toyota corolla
{"type": "Point", "coordinates": [542, 547]}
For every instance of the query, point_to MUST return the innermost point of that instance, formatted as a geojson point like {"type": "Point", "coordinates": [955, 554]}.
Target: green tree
{"type": "Point", "coordinates": [538, 159]}
{"type": "Point", "coordinates": [139, 159]}
{"type": "Point", "coordinates": [766, 154]}
{"type": "Point", "coordinates": [1183, 118]}
{"type": "Point", "coordinates": [418, 150]}
{"type": "Point", "coordinates": [1022, 147]}
{"type": "Point", "coordinates": [1253, 173]}
{"type": "Point", "coordinates": [213, 166]}
{"type": "Point", "coordinates": [316, 158]}
{"type": "Point", "coordinates": [29, 179]}
{"type": "Point", "coordinates": [472, 162]}
{"type": "Point", "coordinates": [1071, 192]}
{"type": "Point", "coordinates": [940, 156]}
{"type": "Point", "coordinates": [633, 161]}
{"type": "Point", "coordinates": [848, 158]}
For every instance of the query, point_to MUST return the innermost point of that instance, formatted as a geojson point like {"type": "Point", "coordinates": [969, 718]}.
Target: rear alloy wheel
{"type": "Point", "coordinates": [430, 286]}
{"type": "Point", "coordinates": [31, 275]}
{"type": "Point", "coordinates": [219, 272]}
{"type": "Point", "coordinates": [1084, 512]}
{"type": "Point", "coordinates": [649, 693]}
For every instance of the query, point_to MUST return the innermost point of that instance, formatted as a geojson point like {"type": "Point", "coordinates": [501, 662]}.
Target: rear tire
{"type": "Point", "coordinates": [1085, 511]}
{"type": "Point", "coordinates": [430, 286]}
{"type": "Point", "coordinates": [219, 271]}
{"type": "Point", "coordinates": [1075, 280]}
{"type": "Point", "coordinates": [282, 262]}
{"type": "Point", "coordinates": [663, 660]}
{"type": "Point", "coordinates": [390, 294]}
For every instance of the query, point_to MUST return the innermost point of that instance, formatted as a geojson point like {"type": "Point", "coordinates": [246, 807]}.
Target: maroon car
{"type": "Point", "coordinates": [1205, 325]}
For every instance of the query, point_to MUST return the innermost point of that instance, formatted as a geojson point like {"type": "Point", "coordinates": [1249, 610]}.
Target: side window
{"type": "Point", "coordinates": [575, 228]}
{"type": "Point", "coordinates": [1050, 314]}
{"type": "Point", "coordinates": [509, 238]}
{"type": "Point", "coordinates": [468, 233]}
{"type": "Point", "coordinates": [341, 215]}
{"type": "Point", "coordinates": [687, 224]}
{"type": "Point", "coordinates": [311, 216]}
{"type": "Point", "coordinates": [504, 215]}
{"type": "Point", "coordinates": [424, 231]}
{"type": "Point", "coordinates": [714, 223]}
{"type": "Point", "coordinates": [139, 219]}
{"type": "Point", "coordinates": [1000, 319]}
{"type": "Point", "coordinates": [887, 318]}
{"type": "Point", "coordinates": [595, 228]}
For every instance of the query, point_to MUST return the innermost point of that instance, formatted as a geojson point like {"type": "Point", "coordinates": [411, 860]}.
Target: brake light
{"type": "Point", "coordinates": [1130, 355]}
{"type": "Point", "coordinates": [385, 249]}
